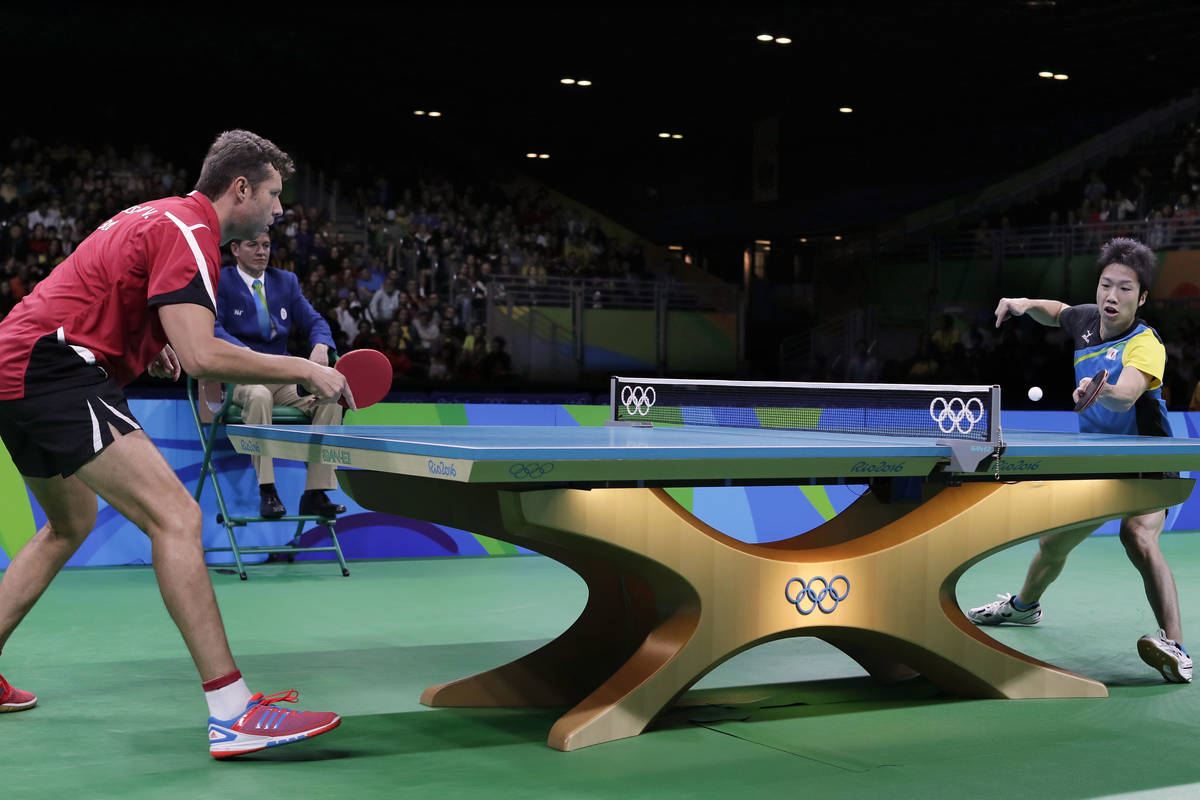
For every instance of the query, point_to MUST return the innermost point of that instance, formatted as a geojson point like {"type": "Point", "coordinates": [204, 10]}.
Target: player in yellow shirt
{"type": "Point", "coordinates": [1109, 335]}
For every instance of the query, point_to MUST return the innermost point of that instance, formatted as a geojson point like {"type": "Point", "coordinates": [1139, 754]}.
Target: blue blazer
{"type": "Point", "coordinates": [237, 312]}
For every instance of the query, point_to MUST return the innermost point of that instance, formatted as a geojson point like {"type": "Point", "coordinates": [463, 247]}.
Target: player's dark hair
{"type": "Point", "coordinates": [243, 153]}
{"type": "Point", "coordinates": [1131, 253]}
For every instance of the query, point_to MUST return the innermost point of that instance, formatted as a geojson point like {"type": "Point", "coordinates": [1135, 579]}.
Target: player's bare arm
{"type": "Point", "coordinates": [1121, 395]}
{"type": "Point", "coordinates": [189, 329]}
{"type": "Point", "coordinates": [1044, 312]}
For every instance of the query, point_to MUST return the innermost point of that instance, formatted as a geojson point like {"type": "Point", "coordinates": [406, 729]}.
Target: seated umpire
{"type": "Point", "coordinates": [256, 308]}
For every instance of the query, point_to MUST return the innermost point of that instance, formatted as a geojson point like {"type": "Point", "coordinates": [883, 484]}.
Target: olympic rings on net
{"type": "Point", "coordinates": [638, 399]}
{"type": "Point", "coordinates": [951, 414]}
{"type": "Point", "coordinates": [808, 599]}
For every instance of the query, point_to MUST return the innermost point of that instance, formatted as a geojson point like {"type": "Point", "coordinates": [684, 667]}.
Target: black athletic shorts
{"type": "Point", "coordinates": [58, 432]}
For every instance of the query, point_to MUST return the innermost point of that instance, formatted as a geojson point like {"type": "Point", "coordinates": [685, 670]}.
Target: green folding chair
{"type": "Point", "coordinates": [213, 407]}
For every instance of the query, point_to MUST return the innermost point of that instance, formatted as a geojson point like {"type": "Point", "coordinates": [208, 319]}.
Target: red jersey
{"type": "Point", "coordinates": [101, 304]}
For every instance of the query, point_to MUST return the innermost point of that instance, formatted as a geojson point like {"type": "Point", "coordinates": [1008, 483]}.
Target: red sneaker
{"type": "Point", "coordinates": [264, 725]}
{"type": "Point", "coordinates": [13, 699]}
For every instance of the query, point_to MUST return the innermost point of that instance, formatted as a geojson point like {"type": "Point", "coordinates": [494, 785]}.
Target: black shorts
{"type": "Point", "coordinates": [58, 432]}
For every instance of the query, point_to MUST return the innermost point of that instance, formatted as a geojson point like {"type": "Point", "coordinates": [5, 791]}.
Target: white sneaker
{"type": "Point", "coordinates": [1003, 610]}
{"type": "Point", "coordinates": [1167, 656]}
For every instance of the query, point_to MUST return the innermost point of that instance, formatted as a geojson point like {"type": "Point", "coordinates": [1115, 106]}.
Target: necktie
{"type": "Point", "coordinates": [265, 324]}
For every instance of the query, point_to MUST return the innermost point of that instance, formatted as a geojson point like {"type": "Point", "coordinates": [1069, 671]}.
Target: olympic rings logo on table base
{"type": "Point", "coordinates": [809, 599]}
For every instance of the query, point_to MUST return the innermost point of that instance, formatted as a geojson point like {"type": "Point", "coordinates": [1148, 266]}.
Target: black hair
{"type": "Point", "coordinates": [240, 153]}
{"type": "Point", "coordinates": [1131, 253]}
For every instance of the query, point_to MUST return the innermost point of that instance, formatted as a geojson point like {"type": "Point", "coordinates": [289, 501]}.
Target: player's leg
{"type": "Point", "coordinates": [1024, 608]}
{"type": "Point", "coordinates": [70, 509]}
{"type": "Point", "coordinates": [1048, 563]}
{"type": "Point", "coordinates": [257, 406]}
{"type": "Point", "coordinates": [1140, 535]}
{"type": "Point", "coordinates": [1164, 650]}
{"type": "Point", "coordinates": [134, 478]}
{"type": "Point", "coordinates": [137, 481]}
{"type": "Point", "coordinates": [319, 478]}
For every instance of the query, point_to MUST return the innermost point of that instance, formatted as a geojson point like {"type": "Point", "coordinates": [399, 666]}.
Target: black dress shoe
{"type": "Point", "coordinates": [269, 505]}
{"type": "Point", "coordinates": [316, 503]}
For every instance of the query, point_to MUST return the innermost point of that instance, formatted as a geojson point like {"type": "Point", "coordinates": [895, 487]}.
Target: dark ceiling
{"type": "Point", "coordinates": [946, 94]}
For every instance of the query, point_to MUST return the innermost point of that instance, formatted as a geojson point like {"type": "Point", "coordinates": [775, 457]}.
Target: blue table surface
{"type": "Point", "coordinates": [498, 443]}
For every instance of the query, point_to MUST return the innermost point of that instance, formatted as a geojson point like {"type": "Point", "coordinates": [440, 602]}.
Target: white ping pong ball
{"type": "Point", "coordinates": [1035, 393]}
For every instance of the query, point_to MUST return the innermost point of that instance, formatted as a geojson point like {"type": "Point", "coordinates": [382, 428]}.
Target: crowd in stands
{"type": "Point", "coordinates": [417, 287]}
{"type": "Point", "coordinates": [52, 197]}
{"type": "Point", "coordinates": [409, 277]}
{"type": "Point", "coordinates": [1152, 194]}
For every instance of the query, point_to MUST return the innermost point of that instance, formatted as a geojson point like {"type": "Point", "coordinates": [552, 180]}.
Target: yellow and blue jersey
{"type": "Point", "coordinates": [1139, 347]}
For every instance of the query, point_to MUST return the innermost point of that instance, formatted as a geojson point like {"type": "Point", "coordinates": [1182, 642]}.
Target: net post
{"type": "Point", "coordinates": [994, 431]}
{"type": "Point", "coordinates": [965, 455]}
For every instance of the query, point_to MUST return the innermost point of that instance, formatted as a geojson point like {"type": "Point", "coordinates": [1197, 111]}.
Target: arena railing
{"type": "Point", "coordinates": [614, 293]}
{"type": "Point", "coordinates": [1175, 233]}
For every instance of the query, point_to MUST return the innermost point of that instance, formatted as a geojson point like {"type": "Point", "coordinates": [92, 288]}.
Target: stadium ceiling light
{"type": "Point", "coordinates": [846, 110]}
{"type": "Point", "coordinates": [1045, 74]}
{"type": "Point", "coordinates": [765, 37]}
{"type": "Point", "coordinates": [676, 135]}
{"type": "Point", "coordinates": [531, 155]}
{"type": "Point", "coordinates": [837, 238]}
{"type": "Point", "coordinates": [583, 83]}
{"type": "Point", "coordinates": [1062, 77]}
{"type": "Point", "coordinates": [803, 240]}
{"type": "Point", "coordinates": [783, 40]}
{"type": "Point", "coordinates": [567, 81]}
{"type": "Point", "coordinates": [543, 155]}
{"type": "Point", "coordinates": [419, 113]}
{"type": "Point", "coordinates": [435, 113]}
{"type": "Point", "coordinates": [664, 136]}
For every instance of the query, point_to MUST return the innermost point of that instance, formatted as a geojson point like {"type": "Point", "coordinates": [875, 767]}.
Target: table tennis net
{"type": "Point", "coordinates": [931, 411]}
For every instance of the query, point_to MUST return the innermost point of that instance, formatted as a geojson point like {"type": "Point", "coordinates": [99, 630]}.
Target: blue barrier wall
{"type": "Point", "coordinates": [756, 514]}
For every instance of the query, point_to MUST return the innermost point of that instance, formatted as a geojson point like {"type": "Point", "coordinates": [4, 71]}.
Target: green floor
{"type": "Point", "coordinates": [122, 716]}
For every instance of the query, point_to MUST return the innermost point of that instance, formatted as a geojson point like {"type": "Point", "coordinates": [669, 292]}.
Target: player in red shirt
{"type": "Point", "coordinates": [138, 294]}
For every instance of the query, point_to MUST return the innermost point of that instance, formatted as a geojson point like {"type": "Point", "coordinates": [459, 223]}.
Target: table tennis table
{"type": "Point", "coordinates": [670, 598]}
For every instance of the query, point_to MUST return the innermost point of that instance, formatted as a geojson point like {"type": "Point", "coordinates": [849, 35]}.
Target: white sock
{"type": "Point", "coordinates": [228, 702]}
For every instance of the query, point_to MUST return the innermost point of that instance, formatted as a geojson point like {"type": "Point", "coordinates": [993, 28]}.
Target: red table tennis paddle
{"type": "Point", "coordinates": [1088, 398]}
{"type": "Point", "coordinates": [368, 374]}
